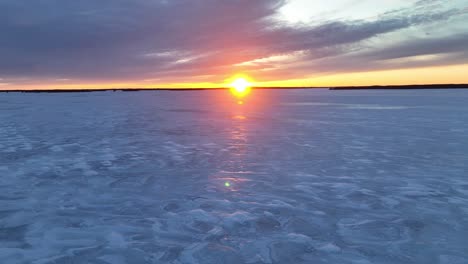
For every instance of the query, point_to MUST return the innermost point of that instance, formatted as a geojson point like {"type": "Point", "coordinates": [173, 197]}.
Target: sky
{"type": "Point", "coordinates": [54, 44]}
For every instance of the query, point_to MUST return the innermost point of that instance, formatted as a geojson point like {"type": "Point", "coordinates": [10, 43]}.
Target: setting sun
{"type": "Point", "coordinates": [240, 87]}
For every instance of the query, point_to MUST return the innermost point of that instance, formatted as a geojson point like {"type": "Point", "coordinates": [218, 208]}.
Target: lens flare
{"type": "Point", "coordinates": [240, 87]}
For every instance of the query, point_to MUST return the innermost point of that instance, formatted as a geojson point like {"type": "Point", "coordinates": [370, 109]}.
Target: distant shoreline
{"type": "Point", "coordinates": [337, 88]}
{"type": "Point", "coordinates": [403, 87]}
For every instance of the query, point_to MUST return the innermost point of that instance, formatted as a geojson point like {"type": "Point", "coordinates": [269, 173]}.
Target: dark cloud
{"type": "Point", "coordinates": [119, 40]}
{"type": "Point", "coordinates": [422, 46]}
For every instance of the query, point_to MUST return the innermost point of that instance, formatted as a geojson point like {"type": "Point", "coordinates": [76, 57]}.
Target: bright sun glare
{"type": "Point", "coordinates": [240, 87]}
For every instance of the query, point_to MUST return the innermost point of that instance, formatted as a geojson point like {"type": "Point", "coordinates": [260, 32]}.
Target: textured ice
{"type": "Point", "coordinates": [300, 176]}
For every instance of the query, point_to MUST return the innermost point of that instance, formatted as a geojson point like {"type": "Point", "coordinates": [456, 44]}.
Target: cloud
{"type": "Point", "coordinates": [184, 40]}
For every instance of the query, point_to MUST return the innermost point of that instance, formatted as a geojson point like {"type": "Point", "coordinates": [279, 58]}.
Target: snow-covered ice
{"type": "Point", "coordinates": [299, 176]}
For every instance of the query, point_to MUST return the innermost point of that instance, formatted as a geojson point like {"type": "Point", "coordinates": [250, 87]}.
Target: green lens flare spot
{"type": "Point", "coordinates": [227, 184]}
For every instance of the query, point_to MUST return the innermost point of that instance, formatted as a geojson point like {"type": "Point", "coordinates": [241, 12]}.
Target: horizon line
{"type": "Point", "coordinates": [354, 87]}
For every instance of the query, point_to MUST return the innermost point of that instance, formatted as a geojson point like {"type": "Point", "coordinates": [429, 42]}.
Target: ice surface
{"type": "Point", "coordinates": [300, 176]}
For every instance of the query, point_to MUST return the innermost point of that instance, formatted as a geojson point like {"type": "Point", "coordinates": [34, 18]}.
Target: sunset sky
{"type": "Point", "coordinates": [188, 43]}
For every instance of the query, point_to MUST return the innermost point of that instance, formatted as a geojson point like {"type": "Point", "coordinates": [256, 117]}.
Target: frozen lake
{"type": "Point", "coordinates": [299, 176]}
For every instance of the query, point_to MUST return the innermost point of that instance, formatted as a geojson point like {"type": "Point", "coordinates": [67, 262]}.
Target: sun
{"type": "Point", "coordinates": [240, 87]}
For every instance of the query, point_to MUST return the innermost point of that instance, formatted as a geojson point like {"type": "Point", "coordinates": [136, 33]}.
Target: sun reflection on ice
{"type": "Point", "coordinates": [234, 173]}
